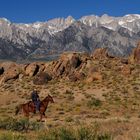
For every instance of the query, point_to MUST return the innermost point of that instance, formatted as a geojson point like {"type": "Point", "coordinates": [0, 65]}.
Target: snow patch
{"type": "Point", "coordinates": [37, 25]}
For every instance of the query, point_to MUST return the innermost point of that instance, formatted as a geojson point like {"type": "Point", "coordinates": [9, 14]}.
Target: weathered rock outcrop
{"type": "Point", "coordinates": [11, 73]}
{"type": "Point", "coordinates": [135, 57]}
{"type": "Point", "coordinates": [1, 70]}
{"type": "Point", "coordinates": [31, 69]}
{"type": "Point", "coordinates": [67, 63]}
{"type": "Point", "coordinates": [76, 76]}
{"type": "Point", "coordinates": [70, 66]}
{"type": "Point", "coordinates": [101, 53]}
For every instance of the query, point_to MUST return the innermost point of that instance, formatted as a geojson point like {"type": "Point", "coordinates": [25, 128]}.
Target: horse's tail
{"type": "Point", "coordinates": [17, 109]}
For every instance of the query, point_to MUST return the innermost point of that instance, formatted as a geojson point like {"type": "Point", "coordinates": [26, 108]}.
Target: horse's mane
{"type": "Point", "coordinates": [44, 99]}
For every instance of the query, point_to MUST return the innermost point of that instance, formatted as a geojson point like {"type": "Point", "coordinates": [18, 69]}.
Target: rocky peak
{"type": "Point", "coordinates": [4, 20]}
{"type": "Point", "coordinates": [69, 20]}
{"type": "Point", "coordinates": [89, 20]}
{"type": "Point", "coordinates": [39, 39]}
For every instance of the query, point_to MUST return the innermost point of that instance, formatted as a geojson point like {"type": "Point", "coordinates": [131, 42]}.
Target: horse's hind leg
{"type": "Point", "coordinates": [40, 118]}
{"type": "Point", "coordinates": [26, 114]}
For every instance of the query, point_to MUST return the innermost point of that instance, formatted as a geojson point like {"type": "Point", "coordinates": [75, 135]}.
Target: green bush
{"type": "Point", "coordinates": [93, 102]}
{"type": "Point", "coordinates": [13, 124]}
{"type": "Point", "coordinates": [73, 134]}
{"type": "Point", "coordinates": [84, 134]}
{"type": "Point", "coordinates": [6, 137]}
{"type": "Point", "coordinates": [12, 136]}
{"type": "Point", "coordinates": [57, 134]}
{"type": "Point", "coordinates": [65, 134]}
{"type": "Point", "coordinates": [19, 125]}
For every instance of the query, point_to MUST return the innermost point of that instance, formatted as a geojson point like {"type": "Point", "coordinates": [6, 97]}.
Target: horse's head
{"type": "Point", "coordinates": [49, 98]}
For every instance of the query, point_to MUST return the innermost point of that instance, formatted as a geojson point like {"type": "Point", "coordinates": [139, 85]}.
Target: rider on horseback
{"type": "Point", "coordinates": [35, 99]}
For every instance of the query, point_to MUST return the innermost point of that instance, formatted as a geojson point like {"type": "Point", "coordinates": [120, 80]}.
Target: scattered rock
{"type": "Point", "coordinates": [76, 76]}
{"type": "Point", "coordinates": [124, 61]}
{"type": "Point", "coordinates": [94, 77]}
{"type": "Point", "coordinates": [126, 70]}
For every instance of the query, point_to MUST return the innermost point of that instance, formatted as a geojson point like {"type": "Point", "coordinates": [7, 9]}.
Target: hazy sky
{"type": "Point", "coordinates": [41, 10]}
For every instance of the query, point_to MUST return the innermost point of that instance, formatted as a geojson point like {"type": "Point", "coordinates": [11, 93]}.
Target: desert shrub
{"type": "Point", "coordinates": [65, 134]}
{"type": "Point", "coordinates": [68, 92]}
{"type": "Point", "coordinates": [57, 134]}
{"type": "Point", "coordinates": [6, 137]}
{"type": "Point", "coordinates": [69, 119]}
{"type": "Point", "coordinates": [93, 102]}
{"type": "Point", "coordinates": [82, 133]}
{"type": "Point", "coordinates": [19, 125]}
{"type": "Point", "coordinates": [51, 135]}
{"type": "Point", "coordinates": [35, 125]}
{"type": "Point", "coordinates": [12, 136]}
{"type": "Point", "coordinates": [13, 124]}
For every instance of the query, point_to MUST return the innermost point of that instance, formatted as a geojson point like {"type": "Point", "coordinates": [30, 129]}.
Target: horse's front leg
{"type": "Point", "coordinates": [44, 115]}
{"type": "Point", "coordinates": [41, 116]}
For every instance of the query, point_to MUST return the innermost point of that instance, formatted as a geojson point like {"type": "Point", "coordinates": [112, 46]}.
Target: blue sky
{"type": "Point", "coordinates": [28, 11]}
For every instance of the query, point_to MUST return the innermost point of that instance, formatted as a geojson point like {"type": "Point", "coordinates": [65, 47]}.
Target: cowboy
{"type": "Point", "coordinates": [35, 99]}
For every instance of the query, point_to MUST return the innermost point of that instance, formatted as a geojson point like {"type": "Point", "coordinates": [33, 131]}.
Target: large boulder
{"type": "Point", "coordinates": [11, 73]}
{"type": "Point", "coordinates": [42, 78]}
{"type": "Point", "coordinates": [67, 63]}
{"type": "Point", "coordinates": [76, 76]}
{"type": "Point", "coordinates": [101, 53]}
{"type": "Point", "coordinates": [94, 77]}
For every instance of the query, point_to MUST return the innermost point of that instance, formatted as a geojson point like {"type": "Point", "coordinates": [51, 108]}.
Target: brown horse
{"type": "Point", "coordinates": [43, 106]}
{"type": "Point", "coordinates": [26, 108]}
{"type": "Point", "coordinates": [30, 107]}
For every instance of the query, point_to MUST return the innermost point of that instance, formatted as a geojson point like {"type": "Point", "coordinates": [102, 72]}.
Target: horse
{"type": "Point", "coordinates": [30, 107]}
{"type": "Point", "coordinates": [43, 106]}
{"type": "Point", "coordinates": [26, 108]}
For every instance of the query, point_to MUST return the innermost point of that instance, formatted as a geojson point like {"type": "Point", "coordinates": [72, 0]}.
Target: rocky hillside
{"type": "Point", "coordinates": [72, 67]}
{"type": "Point", "coordinates": [43, 39]}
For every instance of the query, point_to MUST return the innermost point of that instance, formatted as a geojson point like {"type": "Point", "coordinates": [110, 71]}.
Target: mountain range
{"type": "Point", "coordinates": [51, 38]}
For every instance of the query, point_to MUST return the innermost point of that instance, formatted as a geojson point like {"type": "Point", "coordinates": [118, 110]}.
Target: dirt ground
{"type": "Point", "coordinates": [77, 103]}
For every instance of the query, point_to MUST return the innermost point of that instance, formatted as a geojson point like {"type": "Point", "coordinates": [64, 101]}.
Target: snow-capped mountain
{"type": "Point", "coordinates": [130, 22]}
{"type": "Point", "coordinates": [55, 36]}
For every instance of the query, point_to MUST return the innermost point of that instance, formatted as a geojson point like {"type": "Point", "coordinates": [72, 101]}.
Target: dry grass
{"type": "Point", "coordinates": [113, 103]}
